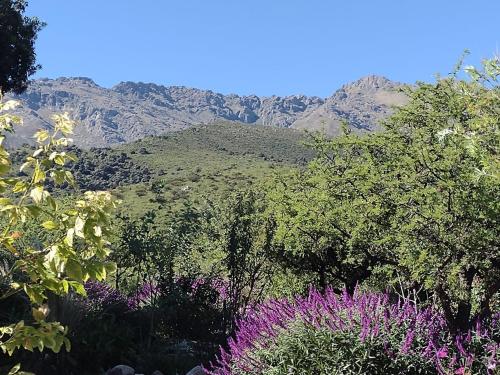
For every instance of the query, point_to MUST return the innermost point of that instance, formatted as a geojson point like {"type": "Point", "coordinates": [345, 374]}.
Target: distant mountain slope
{"type": "Point", "coordinates": [204, 162]}
{"type": "Point", "coordinates": [131, 111]}
{"type": "Point", "coordinates": [200, 162]}
{"type": "Point", "coordinates": [363, 104]}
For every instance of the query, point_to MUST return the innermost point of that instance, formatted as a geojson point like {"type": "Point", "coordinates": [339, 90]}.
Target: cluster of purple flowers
{"type": "Point", "coordinates": [404, 329]}
{"type": "Point", "coordinates": [219, 285]}
{"type": "Point", "coordinates": [101, 296]}
{"type": "Point", "coordinates": [143, 296]}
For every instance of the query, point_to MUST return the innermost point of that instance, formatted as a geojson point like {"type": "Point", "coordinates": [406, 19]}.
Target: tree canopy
{"type": "Point", "coordinates": [417, 200]}
{"type": "Point", "coordinates": [72, 238]}
{"type": "Point", "coordinates": [17, 38]}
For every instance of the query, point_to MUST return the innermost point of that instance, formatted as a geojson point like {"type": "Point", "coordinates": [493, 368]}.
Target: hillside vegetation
{"type": "Point", "coordinates": [202, 161]}
{"type": "Point", "coordinates": [194, 163]}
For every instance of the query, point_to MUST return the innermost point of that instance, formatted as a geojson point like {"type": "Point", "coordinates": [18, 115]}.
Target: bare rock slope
{"type": "Point", "coordinates": [130, 111]}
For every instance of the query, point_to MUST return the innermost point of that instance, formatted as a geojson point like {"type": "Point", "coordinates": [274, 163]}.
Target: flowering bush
{"type": "Point", "coordinates": [217, 288]}
{"type": "Point", "coordinates": [360, 334]}
{"type": "Point", "coordinates": [143, 296]}
{"type": "Point", "coordinates": [218, 285]}
{"type": "Point", "coordinates": [102, 298]}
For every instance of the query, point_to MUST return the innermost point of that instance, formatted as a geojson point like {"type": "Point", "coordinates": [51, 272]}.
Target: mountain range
{"type": "Point", "coordinates": [133, 110]}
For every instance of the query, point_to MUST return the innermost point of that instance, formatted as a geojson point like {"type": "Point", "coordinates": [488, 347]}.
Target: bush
{"type": "Point", "coordinates": [193, 309]}
{"type": "Point", "coordinates": [362, 334]}
{"type": "Point", "coordinates": [112, 328]}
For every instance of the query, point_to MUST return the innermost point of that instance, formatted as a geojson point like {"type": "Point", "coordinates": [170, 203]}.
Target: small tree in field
{"type": "Point", "coordinates": [74, 246]}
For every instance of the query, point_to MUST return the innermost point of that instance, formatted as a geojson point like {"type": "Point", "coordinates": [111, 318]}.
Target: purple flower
{"type": "Point", "coordinates": [400, 327]}
{"type": "Point", "coordinates": [442, 353]}
{"type": "Point", "coordinates": [143, 296]}
{"type": "Point", "coordinates": [102, 297]}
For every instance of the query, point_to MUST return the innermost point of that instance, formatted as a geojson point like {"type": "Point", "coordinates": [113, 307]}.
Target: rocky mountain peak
{"type": "Point", "coordinates": [369, 88]}
{"type": "Point", "coordinates": [141, 88]}
{"type": "Point", "coordinates": [73, 81]}
{"type": "Point", "coordinates": [133, 110]}
{"type": "Point", "coordinates": [371, 82]}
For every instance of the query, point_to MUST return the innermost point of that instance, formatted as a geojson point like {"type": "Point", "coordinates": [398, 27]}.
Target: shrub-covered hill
{"type": "Point", "coordinates": [202, 161]}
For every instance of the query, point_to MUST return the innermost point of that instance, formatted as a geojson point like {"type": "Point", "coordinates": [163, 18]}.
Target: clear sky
{"type": "Point", "coordinates": [261, 47]}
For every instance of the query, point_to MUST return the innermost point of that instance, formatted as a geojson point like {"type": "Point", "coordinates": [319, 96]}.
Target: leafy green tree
{"type": "Point", "coordinates": [143, 250]}
{"type": "Point", "coordinates": [330, 221]}
{"type": "Point", "coordinates": [440, 154]}
{"type": "Point", "coordinates": [145, 254]}
{"type": "Point", "coordinates": [73, 242]}
{"type": "Point", "coordinates": [234, 243]}
{"type": "Point", "coordinates": [420, 197]}
{"type": "Point", "coordinates": [17, 38]}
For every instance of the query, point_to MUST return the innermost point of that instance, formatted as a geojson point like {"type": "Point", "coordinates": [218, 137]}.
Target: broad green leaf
{"type": "Point", "coordinates": [50, 225]}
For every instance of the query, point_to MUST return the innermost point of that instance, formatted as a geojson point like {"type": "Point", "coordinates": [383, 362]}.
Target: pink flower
{"type": "Point", "coordinates": [442, 353]}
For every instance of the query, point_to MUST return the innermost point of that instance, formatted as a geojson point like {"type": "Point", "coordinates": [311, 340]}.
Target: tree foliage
{"type": "Point", "coordinates": [234, 242]}
{"type": "Point", "coordinates": [74, 238]}
{"type": "Point", "coordinates": [330, 221]}
{"type": "Point", "coordinates": [17, 38]}
{"type": "Point", "coordinates": [419, 199]}
{"type": "Point", "coordinates": [441, 155]}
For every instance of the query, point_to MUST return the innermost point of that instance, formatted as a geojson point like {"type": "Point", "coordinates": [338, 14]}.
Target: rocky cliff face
{"type": "Point", "coordinates": [362, 104]}
{"type": "Point", "coordinates": [130, 111]}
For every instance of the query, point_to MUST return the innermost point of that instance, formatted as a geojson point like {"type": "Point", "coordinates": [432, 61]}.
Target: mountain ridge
{"type": "Point", "coordinates": [133, 110]}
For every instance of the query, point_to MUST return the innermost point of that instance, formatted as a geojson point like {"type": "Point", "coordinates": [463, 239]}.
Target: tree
{"type": "Point", "coordinates": [17, 38]}
{"type": "Point", "coordinates": [329, 220]}
{"type": "Point", "coordinates": [234, 243]}
{"type": "Point", "coordinates": [146, 253]}
{"type": "Point", "coordinates": [440, 155]}
{"type": "Point", "coordinates": [72, 246]}
{"type": "Point", "coordinates": [420, 196]}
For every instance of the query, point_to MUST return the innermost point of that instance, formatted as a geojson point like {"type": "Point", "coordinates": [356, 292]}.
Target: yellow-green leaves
{"type": "Point", "coordinates": [9, 105]}
{"type": "Point", "coordinates": [73, 237]}
{"type": "Point", "coordinates": [74, 270]}
{"type": "Point", "coordinates": [50, 225]}
{"type": "Point", "coordinates": [38, 194]}
{"type": "Point", "coordinates": [60, 158]}
{"type": "Point", "coordinates": [63, 124]}
{"type": "Point", "coordinates": [42, 335]}
{"type": "Point", "coordinates": [16, 370]}
{"type": "Point", "coordinates": [8, 120]}
{"type": "Point", "coordinates": [79, 224]}
{"type": "Point", "coordinates": [40, 136]}
{"type": "Point", "coordinates": [40, 313]}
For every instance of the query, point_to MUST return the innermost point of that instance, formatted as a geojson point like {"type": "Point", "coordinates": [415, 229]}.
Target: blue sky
{"type": "Point", "coordinates": [261, 47]}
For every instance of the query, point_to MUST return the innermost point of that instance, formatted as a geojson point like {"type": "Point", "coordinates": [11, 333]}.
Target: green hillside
{"type": "Point", "coordinates": [198, 162]}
